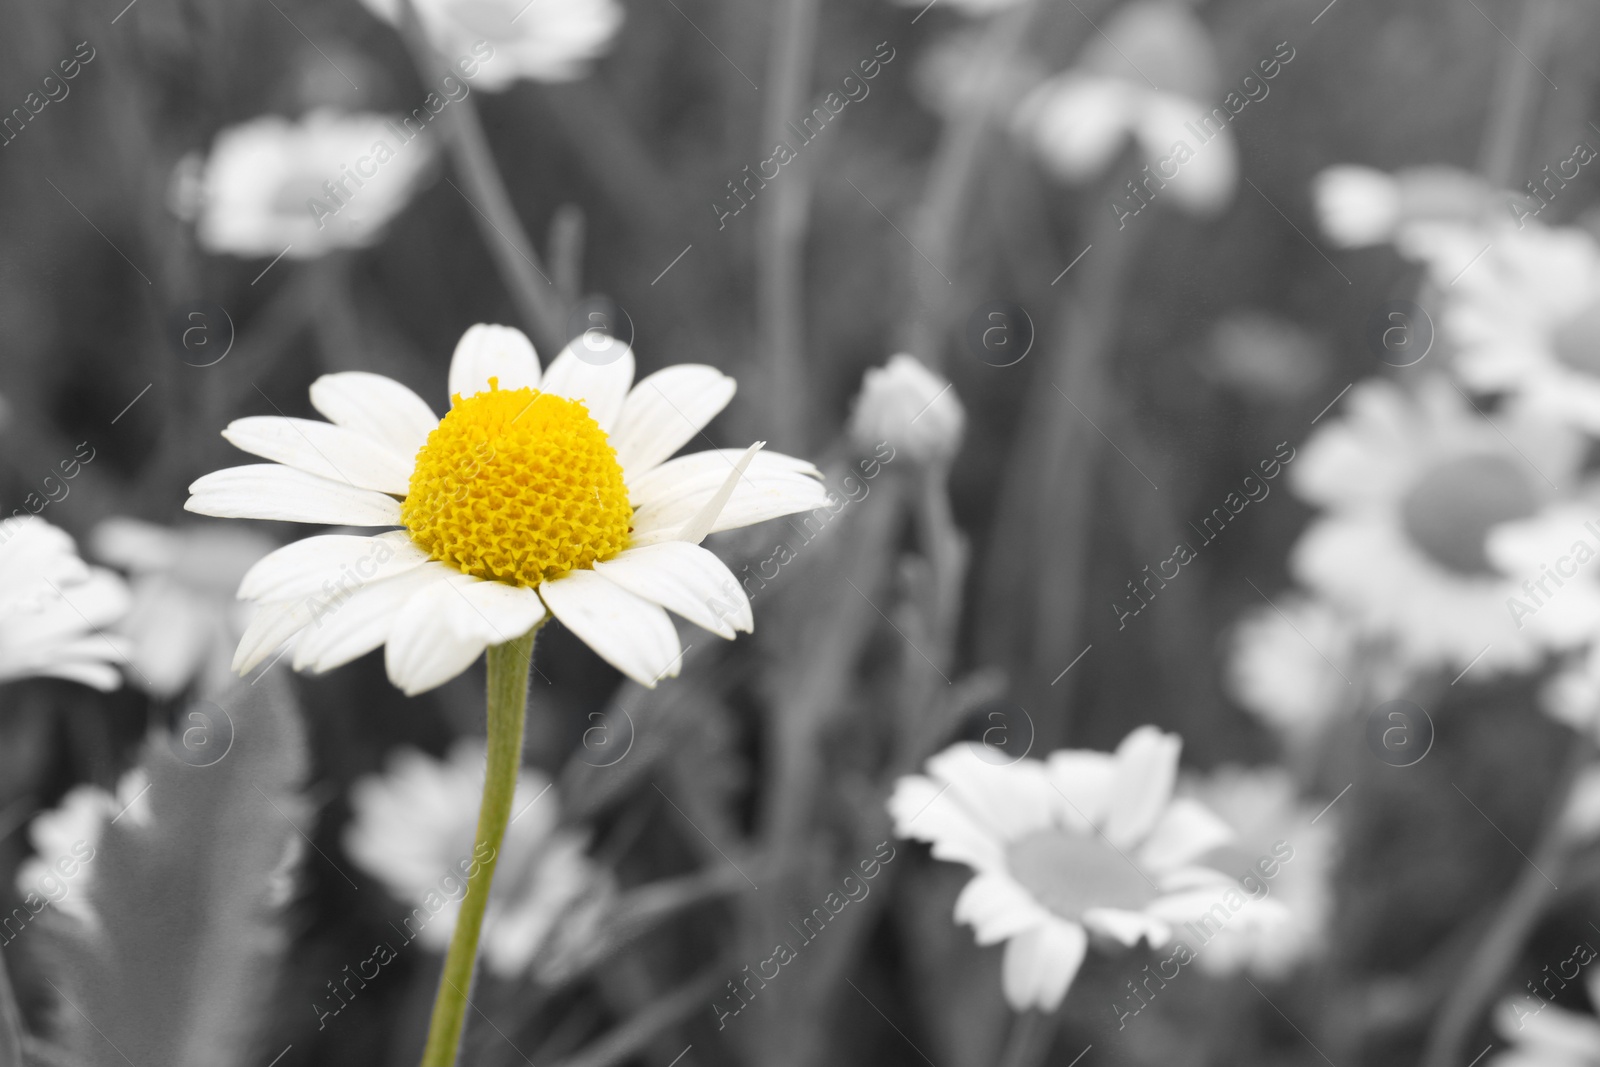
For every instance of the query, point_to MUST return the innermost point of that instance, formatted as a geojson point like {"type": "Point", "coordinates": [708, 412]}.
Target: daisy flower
{"type": "Point", "coordinates": [1281, 858]}
{"type": "Point", "coordinates": [1358, 207]}
{"type": "Point", "coordinates": [1411, 486]}
{"type": "Point", "coordinates": [65, 838]}
{"type": "Point", "coordinates": [1078, 122]}
{"type": "Point", "coordinates": [185, 621]}
{"type": "Point", "coordinates": [538, 491]}
{"type": "Point", "coordinates": [331, 180]}
{"type": "Point", "coordinates": [1081, 843]}
{"type": "Point", "coordinates": [1524, 320]}
{"type": "Point", "coordinates": [911, 407]}
{"type": "Point", "coordinates": [542, 40]}
{"type": "Point", "coordinates": [53, 607]}
{"type": "Point", "coordinates": [413, 831]}
{"type": "Point", "coordinates": [1292, 670]}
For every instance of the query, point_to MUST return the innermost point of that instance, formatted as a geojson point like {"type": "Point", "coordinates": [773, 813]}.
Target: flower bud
{"type": "Point", "coordinates": [910, 407]}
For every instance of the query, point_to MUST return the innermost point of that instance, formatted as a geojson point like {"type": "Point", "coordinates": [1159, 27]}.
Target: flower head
{"type": "Point", "coordinates": [502, 41]}
{"type": "Point", "coordinates": [911, 407]}
{"type": "Point", "coordinates": [1084, 842]}
{"type": "Point", "coordinates": [331, 180]}
{"type": "Point", "coordinates": [540, 491]}
{"type": "Point", "coordinates": [1413, 485]}
{"type": "Point", "coordinates": [413, 830]}
{"type": "Point", "coordinates": [53, 607]}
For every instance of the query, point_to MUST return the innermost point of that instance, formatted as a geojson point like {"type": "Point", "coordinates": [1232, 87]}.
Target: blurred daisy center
{"type": "Point", "coordinates": [1449, 511]}
{"type": "Point", "coordinates": [1577, 342]}
{"type": "Point", "coordinates": [518, 486]}
{"type": "Point", "coordinates": [296, 190]}
{"type": "Point", "coordinates": [1070, 873]}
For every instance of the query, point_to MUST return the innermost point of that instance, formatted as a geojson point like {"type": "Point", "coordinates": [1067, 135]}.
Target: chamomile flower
{"type": "Point", "coordinates": [1524, 320]}
{"type": "Point", "coordinates": [65, 838]}
{"type": "Point", "coordinates": [301, 188]}
{"type": "Point", "coordinates": [1282, 855]}
{"type": "Point", "coordinates": [1078, 121]}
{"type": "Point", "coordinates": [1290, 664]}
{"type": "Point", "coordinates": [54, 608]}
{"type": "Point", "coordinates": [413, 831]}
{"type": "Point", "coordinates": [911, 407]}
{"type": "Point", "coordinates": [542, 40]}
{"type": "Point", "coordinates": [538, 492]}
{"type": "Point", "coordinates": [1411, 485]}
{"type": "Point", "coordinates": [1082, 843]}
{"type": "Point", "coordinates": [185, 621]}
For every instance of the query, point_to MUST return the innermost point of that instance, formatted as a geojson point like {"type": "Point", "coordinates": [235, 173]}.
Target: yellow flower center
{"type": "Point", "coordinates": [518, 486]}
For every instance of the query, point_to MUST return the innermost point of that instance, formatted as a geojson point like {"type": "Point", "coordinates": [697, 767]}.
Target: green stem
{"type": "Point", "coordinates": [508, 699]}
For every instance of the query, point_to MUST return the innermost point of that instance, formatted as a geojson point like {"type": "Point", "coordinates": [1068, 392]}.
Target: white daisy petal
{"type": "Point", "coordinates": [272, 625]}
{"type": "Point", "coordinates": [667, 498]}
{"type": "Point", "coordinates": [665, 410]}
{"type": "Point", "coordinates": [351, 627]}
{"type": "Point", "coordinates": [1147, 767]}
{"type": "Point", "coordinates": [685, 579]}
{"type": "Point", "coordinates": [997, 908]}
{"type": "Point", "coordinates": [484, 352]}
{"type": "Point", "coordinates": [603, 387]}
{"type": "Point", "coordinates": [924, 810]}
{"type": "Point", "coordinates": [1185, 831]}
{"type": "Point", "coordinates": [1012, 800]}
{"type": "Point", "coordinates": [377, 406]}
{"type": "Point", "coordinates": [319, 448]}
{"type": "Point", "coordinates": [271, 491]}
{"type": "Point", "coordinates": [430, 642]}
{"type": "Point", "coordinates": [1127, 927]}
{"type": "Point", "coordinates": [1084, 780]}
{"type": "Point", "coordinates": [627, 631]}
{"type": "Point", "coordinates": [698, 525]}
{"type": "Point", "coordinates": [1039, 966]}
{"type": "Point", "coordinates": [323, 565]}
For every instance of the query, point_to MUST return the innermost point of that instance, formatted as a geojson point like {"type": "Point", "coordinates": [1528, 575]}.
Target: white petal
{"type": "Point", "coordinates": [484, 352]}
{"type": "Point", "coordinates": [1039, 966]}
{"type": "Point", "coordinates": [1185, 831]}
{"type": "Point", "coordinates": [347, 627]}
{"type": "Point", "coordinates": [924, 809]}
{"type": "Point", "coordinates": [603, 388]}
{"type": "Point", "coordinates": [444, 628]}
{"type": "Point", "coordinates": [1084, 780]}
{"type": "Point", "coordinates": [1127, 926]}
{"type": "Point", "coordinates": [320, 566]}
{"type": "Point", "coordinates": [379, 407]}
{"type": "Point", "coordinates": [320, 448]}
{"type": "Point", "coordinates": [685, 579]}
{"type": "Point", "coordinates": [627, 631]}
{"type": "Point", "coordinates": [698, 525]}
{"type": "Point", "coordinates": [1011, 800]}
{"type": "Point", "coordinates": [668, 497]}
{"type": "Point", "coordinates": [666, 410]}
{"type": "Point", "coordinates": [270, 491]}
{"type": "Point", "coordinates": [997, 908]}
{"type": "Point", "coordinates": [272, 625]}
{"type": "Point", "coordinates": [1147, 766]}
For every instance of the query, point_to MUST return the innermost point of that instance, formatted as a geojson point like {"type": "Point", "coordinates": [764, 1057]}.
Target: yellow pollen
{"type": "Point", "coordinates": [518, 486]}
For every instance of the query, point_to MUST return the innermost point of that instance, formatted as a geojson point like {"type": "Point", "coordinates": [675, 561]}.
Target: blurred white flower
{"type": "Point", "coordinates": [1084, 842]}
{"type": "Point", "coordinates": [414, 828]}
{"type": "Point", "coordinates": [543, 40]}
{"type": "Point", "coordinates": [1543, 1035]}
{"type": "Point", "coordinates": [1143, 77]}
{"type": "Point", "coordinates": [1524, 320]}
{"type": "Point", "coordinates": [66, 837]}
{"type": "Point", "coordinates": [185, 620]}
{"type": "Point", "coordinates": [912, 408]}
{"type": "Point", "coordinates": [1291, 670]}
{"type": "Point", "coordinates": [543, 492]}
{"type": "Point", "coordinates": [331, 180]}
{"type": "Point", "coordinates": [1291, 906]}
{"type": "Point", "coordinates": [54, 607]}
{"type": "Point", "coordinates": [1357, 206]}
{"type": "Point", "coordinates": [1411, 486]}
